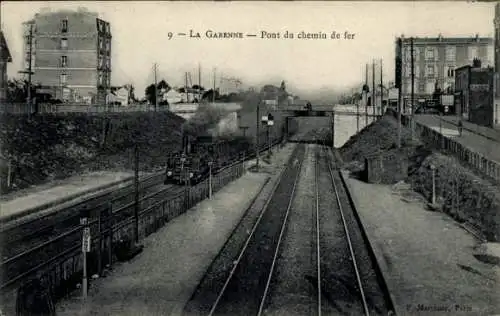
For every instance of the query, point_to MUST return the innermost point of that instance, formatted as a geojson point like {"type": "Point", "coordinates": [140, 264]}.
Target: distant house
{"type": "Point", "coordinates": [5, 58]}
{"type": "Point", "coordinates": [119, 96]}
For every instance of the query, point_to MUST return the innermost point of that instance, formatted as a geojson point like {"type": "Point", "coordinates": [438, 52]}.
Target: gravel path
{"type": "Point", "coordinates": [161, 279]}
{"type": "Point", "coordinates": [425, 256]}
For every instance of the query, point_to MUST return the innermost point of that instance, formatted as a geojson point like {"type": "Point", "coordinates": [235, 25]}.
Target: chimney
{"type": "Point", "coordinates": [440, 37]}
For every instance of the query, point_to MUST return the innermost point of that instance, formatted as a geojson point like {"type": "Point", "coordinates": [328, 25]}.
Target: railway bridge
{"type": "Point", "coordinates": [328, 112]}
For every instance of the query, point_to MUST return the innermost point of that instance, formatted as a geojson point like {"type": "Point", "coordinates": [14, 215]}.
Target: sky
{"type": "Point", "coordinates": [141, 30]}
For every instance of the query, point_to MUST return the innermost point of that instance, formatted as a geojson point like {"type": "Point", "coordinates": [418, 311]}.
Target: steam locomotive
{"type": "Point", "coordinates": [192, 164]}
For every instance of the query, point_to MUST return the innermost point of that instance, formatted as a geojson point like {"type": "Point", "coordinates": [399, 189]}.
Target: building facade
{"type": "Point", "coordinates": [496, 23]}
{"type": "Point", "coordinates": [474, 94]}
{"type": "Point", "coordinates": [435, 62]}
{"type": "Point", "coordinates": [5, 58]}
{"type": "Point", "coordinates": [70, 54]}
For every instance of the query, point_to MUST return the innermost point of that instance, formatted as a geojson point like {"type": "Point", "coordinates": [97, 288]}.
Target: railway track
{"type": "Point", "coordinates": [35, 231]}
{"type": "Point", "coordinates": [333, 268]}
{"type": "Point", "coordinates": [42, 242]}
{"type": "Point", "coordinates": [350, 279]}
{"type": "Point", "coordinates": [244, 291]}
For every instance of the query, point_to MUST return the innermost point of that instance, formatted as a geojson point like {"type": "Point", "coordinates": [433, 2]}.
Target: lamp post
{"type": "Point", "coordinates": [184, 175]}
{"type": "Point", "coordinates": [433, 198]}
{"type": "Point", "coordinates": [210, 162]}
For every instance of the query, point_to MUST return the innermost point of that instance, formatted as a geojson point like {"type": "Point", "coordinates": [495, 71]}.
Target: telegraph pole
{"type": "Point", "coordinates": [412, 109]}
{"type": "Point", "coordinates": [29, 71]}
{"type": "Point", "coordinates": [156, 88]}
{"type": "Point", "coordinates": [199, 83]}
{"type": "Point", "coordinates": [366, 103]}
{"type": "Point", "coordinates": [258, 134]}
{"type": "Point", "coordinates": [213, 94]}
{"type": "Point", "coordinates": [400, 47]}
{"type": "Point", "coordinates": [382, 90]}
{"type": "Point", "coordinates": [374, 92]}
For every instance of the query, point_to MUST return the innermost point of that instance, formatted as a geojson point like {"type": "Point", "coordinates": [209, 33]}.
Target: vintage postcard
{"type": "Point", "coordinates": [249, 158]}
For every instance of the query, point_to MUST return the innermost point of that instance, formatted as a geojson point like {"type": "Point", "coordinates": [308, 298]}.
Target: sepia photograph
{"type": "Point", "coordinates": [239, 158]}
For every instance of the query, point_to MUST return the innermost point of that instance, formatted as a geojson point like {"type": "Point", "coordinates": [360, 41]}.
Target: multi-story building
{"type": "Point", "coordinates": [496, 23]}
{"type": "Point", "coordinates": [435, 60]}
{"type": "Point", "coordinates": [5, 58]}
{"type": "Point", "coordinates": [474, 90]}
{"type": "Point", "coordinates": [70, 54]}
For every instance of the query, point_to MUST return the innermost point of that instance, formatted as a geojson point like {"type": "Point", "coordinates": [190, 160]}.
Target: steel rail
{"type": "Point", "coordinates": [146, 183]}
{"type": "Point", "coordinates": [348, 238]}
{"type": "Point", "coordinates": [283, 226]}
{"type": "Point", "coordinates": [318, 255]}
{"type": "Point", "coordinates": [242, 252]}
{"type": "Point", "coordinates": [122, 222]}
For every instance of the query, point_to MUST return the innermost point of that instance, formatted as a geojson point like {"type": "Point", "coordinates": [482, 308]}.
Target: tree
{"type": "Point", "coordinates": [209, 95]}
{"type": "Point", "coordinates": [150, 90]}
{"type": "Point", "coordinates": [197, 87]}
{"type": "Point", "coordinates": [17, 91]}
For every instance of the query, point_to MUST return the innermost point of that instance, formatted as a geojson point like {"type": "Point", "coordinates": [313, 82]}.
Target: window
{"type": "Point", "coordinates": [429, 71]}
{"type": "Point", "coordinates": [64, 43]}
{"type": "Point", "coordinates": [108, 63]}
{"type": "Point", "coordinates": [421, 86]}
{"type": "Point", "coordinates": [450, 71]}
{"type": "Point", "coordinates": [100, 80]}
{"type": "Point", "coordinates": [407, 53]}
{"type": "Point", "coordinates": [108, 28]}
{"type": "Point", "coordinates": [473, 52]}
{"type": "Point", "coordinates": [429, 53]}
{"type": "Point", "coordinates": [64, 61]}
{"type": "Point", "coordinates": [101, 44]}
{"type": "Point", "coordinates": [108, 45]}
{"type": "Point", "coordinates": [63, 78]}
{"type": "Point", "coordinates": [451, 53]}
{"type": "Point", "coordinates": [64, 26]}
{"type": "Point", "coordinates": [429, 87]}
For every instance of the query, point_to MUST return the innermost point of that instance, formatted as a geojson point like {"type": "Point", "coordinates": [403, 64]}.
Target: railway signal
{"type": "Point", "coordinates": [268, 120]}
{"type": "Point", "coordinates": [86, 239]}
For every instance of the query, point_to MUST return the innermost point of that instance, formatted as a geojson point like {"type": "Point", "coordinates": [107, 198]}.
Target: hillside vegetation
{"type": "Point", "coordinates": [46, 147]}
{"type": "Point", "coordinates": [462, 193]}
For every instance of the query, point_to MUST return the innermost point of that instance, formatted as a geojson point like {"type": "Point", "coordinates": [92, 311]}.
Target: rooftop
{"type": "Point", "coordinates": [447, 40]}
{"type": "Point", "coordinates": [4, 49]}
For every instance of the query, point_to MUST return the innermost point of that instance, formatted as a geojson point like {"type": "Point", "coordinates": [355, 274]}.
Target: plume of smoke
{"type": "Point", "coordinates": [205, 121]}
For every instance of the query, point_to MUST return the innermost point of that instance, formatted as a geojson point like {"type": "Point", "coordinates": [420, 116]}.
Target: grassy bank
{"type": "Point", "coordinates": [47, 147]}
{"type": "Point", "coordinates": [463, 194]}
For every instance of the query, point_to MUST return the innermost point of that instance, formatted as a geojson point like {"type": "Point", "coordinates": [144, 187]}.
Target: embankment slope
{"type": "Point", "coordinates": [462, 193]}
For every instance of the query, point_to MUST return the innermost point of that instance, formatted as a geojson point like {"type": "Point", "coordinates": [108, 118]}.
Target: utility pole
{"type": "Point", "coordinates": [412, 109]}
{"type": "Point", "coordinates": [400, 47]}
{"type": "Point", "coordinates": [186, 86]}
{"type": "Point", "coordinates": [374, 93]}
{"type": "Point", "coordinates": [382, 90]}
{"type": "Point", "coordinates": [213, 91]}
{"type": "Point", "coordinates": [136, 191]}
{"type": "Point", "coordinates": [366, 103]}
{"type": "Point", "coordinates": [156, 89]}
{"type": "Point", "coordinates": [29, 71]}
{"type": "Point", "coordinates": [199, 83]}
{"type": "Point", "coordinates": [257, 136]}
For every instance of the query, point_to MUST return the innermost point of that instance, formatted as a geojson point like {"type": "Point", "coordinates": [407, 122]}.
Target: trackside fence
{"type": "Point", "coordinates": [466, 155]}
{"type": "Point", "coordinates": [109, 229]}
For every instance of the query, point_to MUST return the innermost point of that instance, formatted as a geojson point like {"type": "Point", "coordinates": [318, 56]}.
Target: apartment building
{"type": "Point", "coordinates": [70, 54]}
{"type": "Point", "coordinates": [435, 61]}
{"type": "Point", "coordinates": [5, 58]}
{"type": "Point", "coordinates": [496, 111]}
